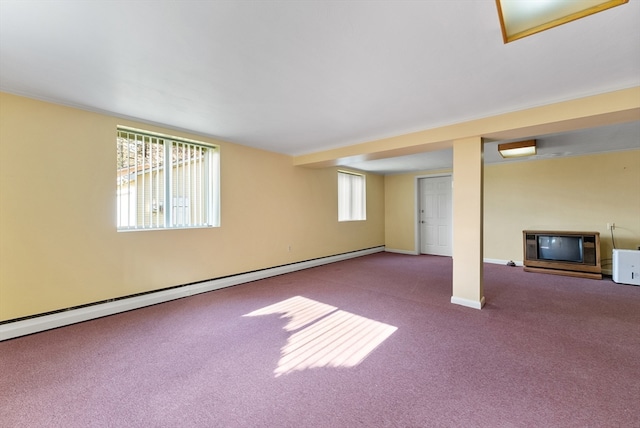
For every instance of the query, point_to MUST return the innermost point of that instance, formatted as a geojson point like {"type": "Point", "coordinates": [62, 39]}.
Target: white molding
{"type": "Point", "coordinates": [59, 319]}
{"type": "Point", "coordinates": [407, 252]}
{"type": "Point", "coordinates": [468, 303]}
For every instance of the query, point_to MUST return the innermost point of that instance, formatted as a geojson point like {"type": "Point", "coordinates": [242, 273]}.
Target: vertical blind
{"type": "Point", "coordinates": [352, 203]}
{"type": "Point", "coordinates": [163, 182]}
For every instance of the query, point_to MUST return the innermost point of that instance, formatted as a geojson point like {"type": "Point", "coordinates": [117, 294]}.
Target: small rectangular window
{"type": "Point", "coordinates": [352, 200]}
{"type": "Point", "coordinates": [165, 182]}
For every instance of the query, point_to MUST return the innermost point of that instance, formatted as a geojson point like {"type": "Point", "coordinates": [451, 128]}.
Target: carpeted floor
{"type": "Point", "coordinates": [367, 342]}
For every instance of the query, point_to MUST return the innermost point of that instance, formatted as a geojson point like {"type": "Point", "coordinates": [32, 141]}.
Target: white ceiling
{"type": "Point", "coordinates": [297, 77]}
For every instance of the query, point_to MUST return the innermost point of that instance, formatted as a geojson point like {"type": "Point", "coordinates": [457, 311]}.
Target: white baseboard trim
{"type": "Point", "coordinates": [468, 303]}
{"type": "Point", "coordinates": [407, 252]}
{"type": "Point", "coordinates": [59, 319]}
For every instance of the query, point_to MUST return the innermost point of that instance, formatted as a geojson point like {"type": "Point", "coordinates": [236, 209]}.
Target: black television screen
{"type": "Point", "coordinates": [561, 248]}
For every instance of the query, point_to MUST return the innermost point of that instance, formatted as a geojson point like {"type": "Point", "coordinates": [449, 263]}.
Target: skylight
{"type": "Point", "coordinates": [521, 18]}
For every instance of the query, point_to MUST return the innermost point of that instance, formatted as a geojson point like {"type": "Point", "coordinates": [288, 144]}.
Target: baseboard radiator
{"type": "Point", "coordinates": [35, 324]}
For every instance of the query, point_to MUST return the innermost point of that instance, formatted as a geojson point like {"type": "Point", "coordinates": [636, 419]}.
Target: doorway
{"type": "Point", "coordinates": [435, 215]}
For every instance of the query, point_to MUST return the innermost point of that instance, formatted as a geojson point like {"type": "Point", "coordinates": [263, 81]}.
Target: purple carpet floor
{"type": "Point", "coordinates": [368, 342]}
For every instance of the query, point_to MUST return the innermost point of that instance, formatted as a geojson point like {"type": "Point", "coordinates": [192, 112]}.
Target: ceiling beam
{"type": "Point", "coordinates": [589, 112]}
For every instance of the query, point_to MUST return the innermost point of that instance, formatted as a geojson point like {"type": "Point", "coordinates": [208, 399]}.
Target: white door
{"type": "Point", "coordinates": [435, 215]}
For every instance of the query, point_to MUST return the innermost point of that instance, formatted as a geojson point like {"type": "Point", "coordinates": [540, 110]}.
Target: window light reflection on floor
{"type": "Point", "coordinates": [331, 338]}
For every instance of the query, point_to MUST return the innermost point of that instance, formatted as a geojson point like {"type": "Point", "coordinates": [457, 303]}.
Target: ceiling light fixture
{"type": "Point", "coordinates": [521, 18]}
{"type": "Point", "coordinates": [517, 149]}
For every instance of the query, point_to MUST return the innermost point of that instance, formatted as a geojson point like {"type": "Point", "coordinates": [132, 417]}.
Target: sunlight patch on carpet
{"type": "Point", "coordinates": [331, 338]}
{"type": "Point", "coordinates": [300, 311]}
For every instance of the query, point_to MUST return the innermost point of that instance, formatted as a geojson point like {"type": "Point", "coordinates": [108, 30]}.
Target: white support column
{"type": "Point", "coordinates": [467, 223]}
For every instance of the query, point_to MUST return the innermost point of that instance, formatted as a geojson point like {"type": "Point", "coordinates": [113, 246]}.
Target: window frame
{"type": "Point", "coordinates": [202, 182]}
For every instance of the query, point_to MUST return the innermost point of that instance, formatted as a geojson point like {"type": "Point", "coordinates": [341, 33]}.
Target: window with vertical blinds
{"type": "Point", "coordinates": [352, 201]}
{"type": "Point", "coordinates": [165, 182]}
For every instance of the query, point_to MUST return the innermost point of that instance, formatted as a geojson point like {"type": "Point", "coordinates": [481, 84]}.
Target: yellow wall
{"type": "Point", "coordinates": [574, 193]}
{"type": "Point", "coordinates": [400, 209]}
{"type": "Point", "coordinates": [399, 212]}
{"type": "Point", "coordinates": [59, 246]}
